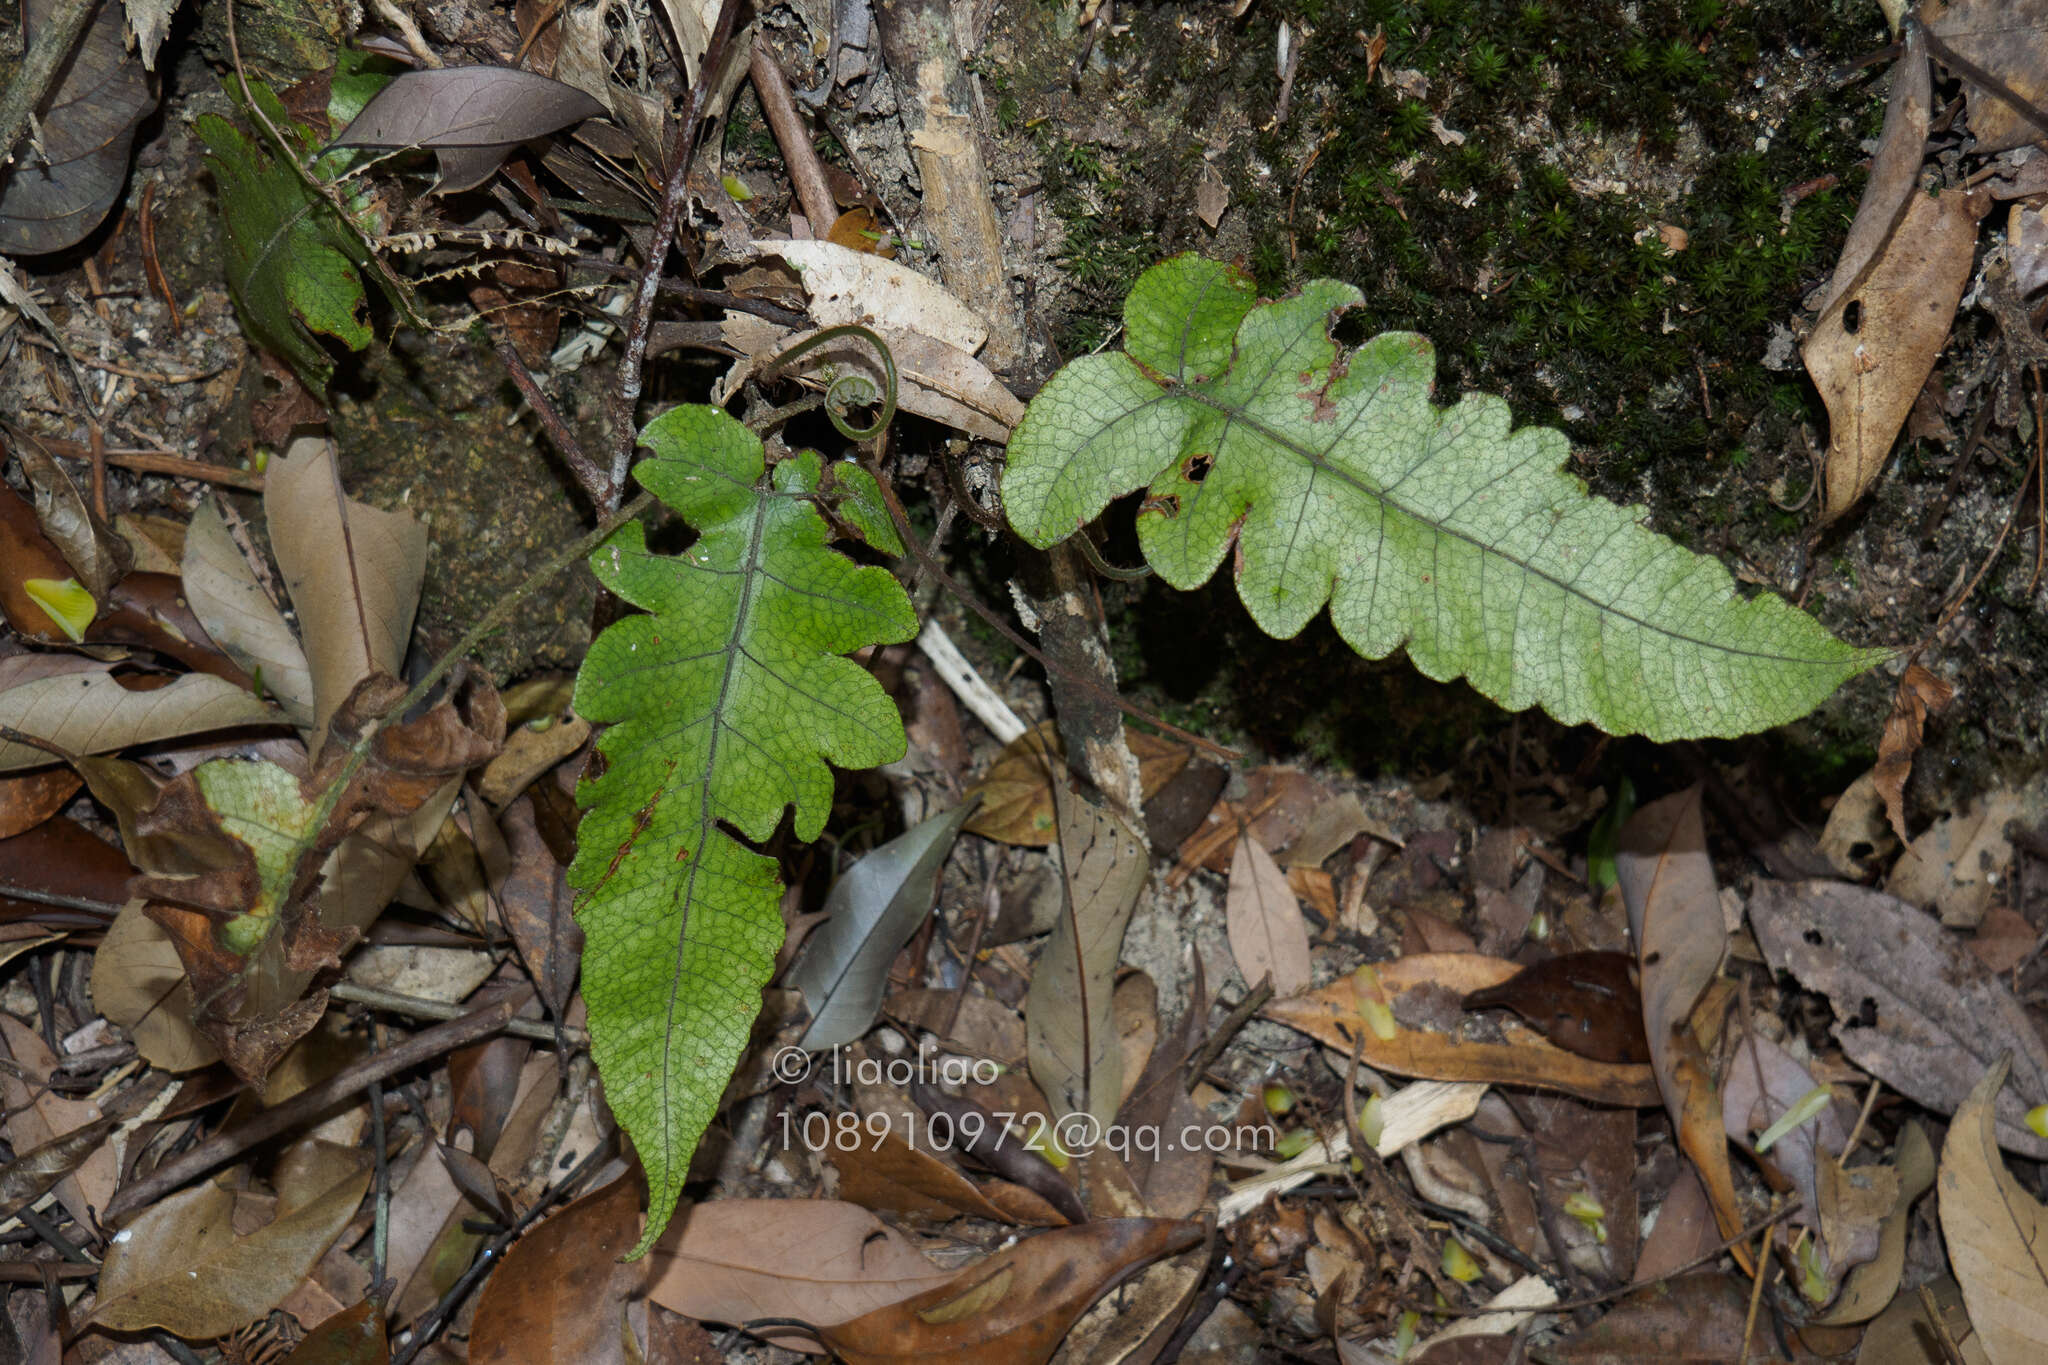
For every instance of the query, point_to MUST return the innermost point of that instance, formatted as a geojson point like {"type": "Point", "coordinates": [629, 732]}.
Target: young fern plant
{"type": "Point", "coordinates": [1327, 478]}
{"type": "Point", "coordinates": [724, 704]}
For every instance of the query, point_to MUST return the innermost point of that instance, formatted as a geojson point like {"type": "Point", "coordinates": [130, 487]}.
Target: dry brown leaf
{"type": "Point", "coordinates": [1069, 1027]}
{"type": "Point", "coordinates": [1902, 1335]}
{"type": "Point", "coordinates": [1894, 170]}
{"type": "Point", "coordinates": [887, 1173]}
{"type": "Point", "coordinates": [1268, 936]}
{"type": "Point", "coordinates": [1697, 1319]}
{"type": "Point", "coordinates": [1587, 1003]}
{"type": "Point", "coordinates": [354, 1336]}
{"type": "Point", "coordinates": [821, 1261]}
{"type": "Point", "coordinates": [1856, 832]}
{"type": "Point", "coordinates": [1761, 1082]}
{"type": "Point", "coordinates": [139, 983]}
{"type": "Point", "coordinates": [37, 1115]}
{"type": "Point", "coordinates": [1134, 1007]}
{"type": "Point", "coordinates": [562, 1291]}
{"type": "Point", "coordinates": [1958, 863]}
{"type": "Point", "coordinates": [1936, 1016]}
{"type": "Point", "coordinates": [856, 287]}
{"type": "Point", "coordinates": [1997, 1233]}
{"type": "Point", "coordinates": [1874, 1283]}
{"type": "Point", "coordinates": [2005, 40]}
{"type": "Point", "coordinates": [535, 902]}
{"type": "Point", "coordinates": [353, 572]}
{"type": "Point", "coordinates": [180, 1265]}
{"type": "Point", "coordinates": [1015, 1307]}
{"type": "Point", "coordinates": [1674, 912]}
{"type": "Point", "coordinates": [1426, 986]}
{"type": "Point", "coordinates": [1920, 695]}
{"type": "Point", "coordinates": [1872, 350]}
{"type": "Point", "coordinates": [1016, 793]}
{"type": "Point", "coordinates": [28, 799]}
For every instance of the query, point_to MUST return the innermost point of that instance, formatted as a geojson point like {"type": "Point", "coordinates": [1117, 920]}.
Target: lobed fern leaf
{"type": "Point", "coordinates": [725, 702]}
{"type": "Point", "coordinates": [1335, 479]}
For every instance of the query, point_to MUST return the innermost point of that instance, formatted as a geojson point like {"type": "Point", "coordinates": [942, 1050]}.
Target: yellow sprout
{"type": "Point", "coordinates": [1372, 1004]}
{"type": "Point", "coordinates": [65, 601]}
{"type": "Point", "coordinates": [1809, 1105]}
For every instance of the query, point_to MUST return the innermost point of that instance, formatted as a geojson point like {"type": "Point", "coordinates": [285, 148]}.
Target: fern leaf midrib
{"type": "Point", "coordinates": [706, 817]}
{"type": "Point", "coordinates": [1385, 499]}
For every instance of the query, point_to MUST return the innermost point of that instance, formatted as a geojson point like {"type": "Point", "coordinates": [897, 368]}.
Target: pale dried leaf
{"type": "Point", "coordinates": [88, 712]}
{"type": "Point", "coordinates": [139, 982]}
{"type": "Point", "coordinates": [1871, 352]}
{"type": "Point", "coordinates": [849, 286]}
{"type": "Point", "coordinates": [2006, 40]}
{"type": "Point", "coordinates": [1997, 1233]}
{"type": "Point", "coordinates": [1958, 863]}
{"type": "Point", "coordinates": [37, 1115]}
{"type": "Point", "coordinates": [240, 616]}
{"type": "Point", "coordinates": [1268, 936]}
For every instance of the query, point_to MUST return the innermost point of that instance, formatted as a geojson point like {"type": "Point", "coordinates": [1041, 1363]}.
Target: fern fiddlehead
{"type": "Point", "coordinates": [846, 391]}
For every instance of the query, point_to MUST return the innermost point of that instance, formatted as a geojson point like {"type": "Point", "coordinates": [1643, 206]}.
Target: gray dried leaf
{"type": "Point", "coordinates": [1913, 1005]}
{"type": "Point", "coordinates": [473, 117]}
{"type": "Point", "coordinates": [54, 200]}
{"type": "Point", "coordinates": [873, 909]}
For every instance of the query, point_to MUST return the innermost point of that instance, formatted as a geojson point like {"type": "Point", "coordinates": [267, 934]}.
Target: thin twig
{"type": "Point", "coordinates": [586, 471]}
{"type": "Point", "coordinates": [344, 1084]}
{"type": "Point", "coordinates": [380, 1234]}
{"type": "Point", "coordinates": [626, 398]}
{"type": "Point", "coordinates": [417, 1008]}
{"type": "Point", "coordinates": [806, 171]}
{"type": "Point", "coordinates": [157, 462]}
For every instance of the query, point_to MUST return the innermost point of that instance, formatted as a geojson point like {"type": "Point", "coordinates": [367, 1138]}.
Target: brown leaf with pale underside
{"type": "Point", "coordinates": [240, 616]}
{"type": "Point", "coordinates": [353, 572]}
{"type": "Point", "coordinates": [822, 1261]}
{"type": "Point", "coordinates": [1674, 915]}
{"type": "Point", "coordinates": [139, 983]}
{"type": "Point", "coordinates": [1997, 1233]}
{"type": "Point", "coordinates": [1426, 983]}
{"type": "Point", "coordinates": [90, 712]}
